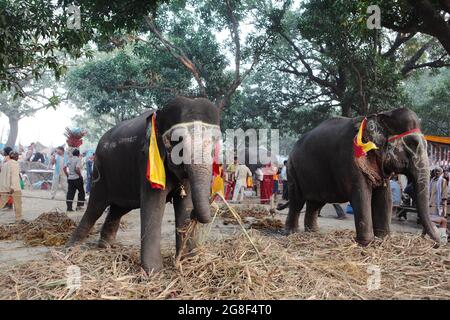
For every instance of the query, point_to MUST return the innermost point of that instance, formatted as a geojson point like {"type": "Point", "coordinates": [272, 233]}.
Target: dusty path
{"type": "Point", "coordinates": [14, 252]}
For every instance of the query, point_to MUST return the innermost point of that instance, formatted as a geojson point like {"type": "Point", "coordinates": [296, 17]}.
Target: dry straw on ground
{"type": "Point", "coordinates": [301, 266]}
{"type": "Point", "coordinates": [49, 229]}
{"type": "Point", "coordinates": [244, 211]}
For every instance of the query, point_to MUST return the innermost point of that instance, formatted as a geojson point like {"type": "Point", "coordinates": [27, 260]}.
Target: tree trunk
{"type": "Point", "coordinates": [346, 109]}
{"type": "Point", "coordinates": [13, 132]}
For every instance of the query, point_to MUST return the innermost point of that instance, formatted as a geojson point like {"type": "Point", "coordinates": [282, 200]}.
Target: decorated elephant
{"type": "Point", "coordinates": [136, 166]}
{"type": "Point", "coordinates": [347, 159]}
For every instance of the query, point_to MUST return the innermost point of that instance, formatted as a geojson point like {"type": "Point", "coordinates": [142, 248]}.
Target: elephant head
{"type": "Point", "coordinates": [403, 149]}
{"type": "Point", "coordinates": [187, 132]}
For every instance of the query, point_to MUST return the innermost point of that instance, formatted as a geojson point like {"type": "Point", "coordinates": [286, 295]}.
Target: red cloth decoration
{"type": "Point", "coordinates": [401, 135]}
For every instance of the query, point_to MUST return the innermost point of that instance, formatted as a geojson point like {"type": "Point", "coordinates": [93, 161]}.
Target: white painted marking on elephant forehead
{"type": "Point", "coordinates": [375, 132]}
{"type": "Point", "coordinates": [191, 124]}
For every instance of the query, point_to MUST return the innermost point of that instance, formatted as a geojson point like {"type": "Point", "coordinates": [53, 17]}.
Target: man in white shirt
{"type": "Point", "coordinates": [241, 174]}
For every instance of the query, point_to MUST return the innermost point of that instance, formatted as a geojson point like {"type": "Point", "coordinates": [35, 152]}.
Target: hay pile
{"type": "Point", "coordinates": [49, 229]}
{"type": "Point", "coordinates": [253, 216]}
{"type": "Point", "coordinates": [244, 211]}
{"type": "Point", "coordinates": [267, 224]}
{"type": "Point", "coordinates": [248, 213]}
{"type": "Point", "coordinates": [301, 266]}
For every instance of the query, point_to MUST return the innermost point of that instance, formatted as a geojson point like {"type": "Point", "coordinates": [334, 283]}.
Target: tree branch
{"type": "Point", "coordinates": [178, 54]}
{"type": "Point", "coordinates": [433, 23]}
{"type": "Point", "coordinates": [400, 39]}
{"type": "Point", "coordinates": [308, 68]}
{"type": "Point", "coordinates": [411, 63]}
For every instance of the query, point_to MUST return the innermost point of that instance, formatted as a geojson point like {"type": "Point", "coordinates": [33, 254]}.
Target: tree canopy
{"type": "Point", "coordinates": [264, 63]}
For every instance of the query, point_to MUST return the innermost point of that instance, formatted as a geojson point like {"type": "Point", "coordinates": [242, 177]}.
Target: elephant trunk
{"type": "Point", "coordinates": [199, 176]}
{"type": "Point", "coordinates": [421, 179]}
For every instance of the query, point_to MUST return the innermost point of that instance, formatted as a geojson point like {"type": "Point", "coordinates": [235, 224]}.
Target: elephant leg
{"type": "Point", "coordinates": [296, 203]}
{"type": "Point", "coordinates": [111, 225]}
{"type": "Point", "coordinates": [312, 211]}
{"type": "Point", "coordinates": [361, 202]}
{"type": "Point", "coordinates": [153, 203]}
{"type": "Point", "coordinates": [381, 211]}
{"type": "Point", "coordinates": [94, 210]}
{"type": "Point", "coordinates": [183, 208]}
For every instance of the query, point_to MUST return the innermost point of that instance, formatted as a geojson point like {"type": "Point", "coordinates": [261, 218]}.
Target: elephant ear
{"type": "Point", "coordinates": [370, 164]}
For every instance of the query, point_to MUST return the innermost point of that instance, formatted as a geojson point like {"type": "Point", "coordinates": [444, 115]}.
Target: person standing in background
{"type": "Point", "coordinates": [230, 179]}
{"type": "Point", "coordinates": [59, 177]}
{"type": "Point", "coordinates": [447, 179]}
{"type": "Point", "coordinates": [241, 175]}
{"type": "Point", "coordinates": [10, 184]}
{"type": "Point", "coordinates": [396, 193]}
{"type": "Point", "coordinates": [6, 152]}
{"type": "Point", "coordinates": [276, 186]}
{"type": "Point", "coordinates": [30, 152]}
{"type": "Point", "coordinates": [217, 181]}
{"type": "Point", "coordinates": [438, 193]}
{"type": "Point", "coordinates": [259, 176]}
{"type": "Point", "coordinates": [89, 171]}
{"type": "Point", "coordinates": [267, 183]}
{"type": "Point", "coordinates": [284, 181]}
{"type": "Point", "coordinates": [75, 181]}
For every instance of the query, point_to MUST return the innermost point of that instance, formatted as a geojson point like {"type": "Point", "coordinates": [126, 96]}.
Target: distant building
{"type": "Point", "coordinates": [438, 150]}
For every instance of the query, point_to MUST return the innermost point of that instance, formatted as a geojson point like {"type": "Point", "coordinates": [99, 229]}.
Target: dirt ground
{"type": "Point", "coordinates": [36, 202]}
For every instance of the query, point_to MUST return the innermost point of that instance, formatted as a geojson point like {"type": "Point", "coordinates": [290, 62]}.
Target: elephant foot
{"type": "Point", "coordinates": [381, 233]}
{"type": "Point", "coordinates": [78, 236]}
{"type": "Point", "coordinates": [311, 228]}
{"type": "Point", "coordinates": [106, 243]}
{"type": "Point", "coordinates": [290, 230]}
{"type": "Point", "coordinates": [364, 242]}
{"type": "Point", "coordinates": [150, 268]}
{"type": "Point", "coordinates": [187, 254]}
{"type": "Point", "coordinates": [73, 241]}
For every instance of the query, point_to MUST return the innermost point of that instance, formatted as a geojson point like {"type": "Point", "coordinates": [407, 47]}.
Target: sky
{"type": "Point", "coordinates": [46, 126]}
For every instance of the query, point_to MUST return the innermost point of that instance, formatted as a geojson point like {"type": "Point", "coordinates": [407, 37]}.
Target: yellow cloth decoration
{"type": "Point", "coordinates": [366, 147]}
{"type": "Point", "coordinates": [156, 173]}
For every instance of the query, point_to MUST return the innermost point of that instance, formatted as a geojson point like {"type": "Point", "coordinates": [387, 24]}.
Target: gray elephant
{"type": "Point", "coordinates": [347, 159]}
{"type": "Point", "coordinates": [120, 176]}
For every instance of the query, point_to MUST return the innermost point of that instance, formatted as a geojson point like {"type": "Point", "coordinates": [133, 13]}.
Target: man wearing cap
{"type": "Point", "coordinates": [10, 184]}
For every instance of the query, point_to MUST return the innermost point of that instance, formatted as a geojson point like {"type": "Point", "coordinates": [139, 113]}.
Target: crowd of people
{"type": "Point", "coordinates": [71, 173]}
{"type": "Point", "coordinates": [439, 194]}
{"type": "Point", "coordinates": [237, 180]}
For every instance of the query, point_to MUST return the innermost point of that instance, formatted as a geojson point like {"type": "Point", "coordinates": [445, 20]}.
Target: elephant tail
{"type": "Point", "coordinates": [282, 206]}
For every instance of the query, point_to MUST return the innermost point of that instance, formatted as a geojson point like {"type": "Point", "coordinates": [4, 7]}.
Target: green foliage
{"type": "Point", "coordinates": [33, 33]}
{"type": "Point", "coordinates": [100, 86]}
{"type": "Point", "coordinates": [430, 99]}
